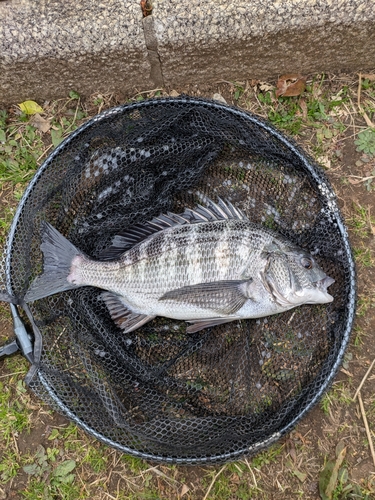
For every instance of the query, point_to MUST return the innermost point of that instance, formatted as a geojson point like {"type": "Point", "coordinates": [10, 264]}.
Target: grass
{"type": "Point", "coordinates": [71, 465]}
{"type": "Point", "coordinates": [363, 256]}
{"type": "Point", "coordinates": [361, 221]}
{"type": "Point", "coordinates": [364, 304]}
{"type": "Point", "coordinates": [21, 147]}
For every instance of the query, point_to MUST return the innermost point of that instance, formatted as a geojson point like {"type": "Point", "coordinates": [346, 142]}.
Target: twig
{"type": "Point", "coordinates": [44, 153]}
{"type": "Point", "coordinates": [108, 495]}
{"type": "Point", "coordinates": [213, 482]}
{"type": "Point", "coordinates": [15, 444]}
{"type": "Point", "coordinates": [363, 380]}
{"type": "Point", "coordinates": [365, 116]}
{"type": "Point", "coordinates": [11, 374]}
{"type": "Point", "coordinates": [252, 473]}
{"type": "Point", "coordinates": [359, 179]}
{"type": "Point", "coordinates": [366, 427]}
{"type": "Point", "coordinates": [290, 319]}
{"type": "Point", "coordinates": [147, 92]}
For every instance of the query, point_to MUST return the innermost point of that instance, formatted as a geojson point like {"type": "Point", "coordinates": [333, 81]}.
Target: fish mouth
{"type": "Point", "coordinates": [323, 284]}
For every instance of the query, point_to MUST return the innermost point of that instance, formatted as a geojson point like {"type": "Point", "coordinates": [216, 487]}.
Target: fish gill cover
{"type": "Point", "coordinates": [162, 392]}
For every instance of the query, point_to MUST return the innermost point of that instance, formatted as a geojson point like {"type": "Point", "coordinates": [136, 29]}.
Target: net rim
{"type": "Point", "coordinates": [326, 190]}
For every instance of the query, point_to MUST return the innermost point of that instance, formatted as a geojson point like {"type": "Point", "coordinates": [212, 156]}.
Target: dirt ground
{"type": "Point", "coordinates": [333, 432]}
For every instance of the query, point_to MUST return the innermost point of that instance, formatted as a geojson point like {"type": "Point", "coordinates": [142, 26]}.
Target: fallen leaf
{"type": "Point", "coordinates": [220, 98]}
{"type": "Point", "coordinates": [293, 454]}
{"type": "Point", "coordinates": [30, 107]}
{"type": "Point", "coordinates": [300, 437]}
{"type": "Point", "coordinates": [146, 7]}
{"type": "Point", "coordinates": [324, 478]}
{"type": "Point", "coordinates": [56, 136]}
{"type": "Point", "coordinates": [265, 87]}
{"type": "Point", "coordinates": [325, 161]}
{"type": "Point", "coordinates": [184, 490]}
{"type": "Point", "coordinates": [340, 446]}
{"type": "Point", "coordinates": [368, 76]}
{"type": "Point", "coordinates": [235, 478]}
{"type": "Point", "coordinates": [341, 452]}
{"type": "Point", "coordinates": [290, 85]}
{"type": "Point", "coordinates": [64, 468]}
{"type": "Point", "coordinates": [40, 123]}
{"type": "Point", "coordinates": [303, 106]}
{"type": "Point", "coordinates": [300, 475]}
{"type": "Point", "coordinates": [174, 93]}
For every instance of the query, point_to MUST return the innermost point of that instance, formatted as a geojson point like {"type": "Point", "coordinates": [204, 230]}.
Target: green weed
{"type": "Point", "coordinates": [366, 142]}
{"type": "Point", "coordinates": [325, 403]}
{"type": "Point", "coordinates": [136, 465]}
{"type": "Point", "coordinates": [359, 334]}
{"type": "Point", "coordinates": [9, 466]}
{"type": "Point", "coordinates": [5, 222]}
{"type": "Point", "coordinates": [313, 109]}
{"type": "Point", "coordinates": [267, 457]}
{"type": "Point", "coordinates": [363, 256]}
{"type": "Point", "coordinates": [238, 90]}
{"type": "Point", "coordinates": [365, 303]}
{"type": "Point", "coordinates": [97, 459]}
{"type": "Point", "coordinates": [21, 146]}
{"type": "Point", "coordinates": [361, 221]}
{"type": "Point", "coordinates": [14, 418]}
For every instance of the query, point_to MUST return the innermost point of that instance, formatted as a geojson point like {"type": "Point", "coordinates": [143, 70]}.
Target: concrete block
{"type": "Point", "coordinates": [206, 41]}
{"type": "Point", "coordinates": [48, 47]}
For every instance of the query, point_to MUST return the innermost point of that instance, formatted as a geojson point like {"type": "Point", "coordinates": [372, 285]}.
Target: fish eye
{"type": "Point", "coordinates": [306, 263]}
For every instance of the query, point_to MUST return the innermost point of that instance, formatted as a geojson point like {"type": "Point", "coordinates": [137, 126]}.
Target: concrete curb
{"type": "Point", "coordinates": [48, 47]}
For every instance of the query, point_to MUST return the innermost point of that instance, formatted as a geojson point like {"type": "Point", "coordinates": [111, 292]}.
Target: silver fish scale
{"type": "Point", "coordinates": [186, 255]}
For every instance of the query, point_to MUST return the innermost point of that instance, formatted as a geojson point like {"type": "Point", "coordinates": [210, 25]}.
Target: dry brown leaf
{"type": "Point", "coordinates": [146, 7]}
{"type": "Point", "coordinates": [184, 490]}
{"type": "Point", "coordinates": [325, 161]}
{"type": "Point", "coordinates": [293, 454]}
{"type": "Point", "coordinates": [303, 106]}
{"type": "Point", "coordinates": [40, 123]}
{"type": "Point", "coordinates": [290, 85]}
{"type": "Point", "coordinates": [265, 87]}
{"type": "Point", "coordinates": [220, 98]}
{"type": "Point", "coordinates": [368, 76]}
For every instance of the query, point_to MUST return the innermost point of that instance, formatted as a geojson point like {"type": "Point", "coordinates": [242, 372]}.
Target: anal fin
{"type": "Point", "coordinates": [200, 324]}
{"type": "Point", "coordinates": [122, 315]}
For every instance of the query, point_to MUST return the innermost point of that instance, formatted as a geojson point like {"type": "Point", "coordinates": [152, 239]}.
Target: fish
{"type": "Point", "coordinates": [208, 266]}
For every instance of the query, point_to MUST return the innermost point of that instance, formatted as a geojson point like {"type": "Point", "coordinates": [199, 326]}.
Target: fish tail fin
{"type": "Point", "coordinates": [59, 270]}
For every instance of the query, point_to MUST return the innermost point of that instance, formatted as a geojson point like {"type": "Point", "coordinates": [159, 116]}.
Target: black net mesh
{"type": "Point", "coordinates": [160, 392]}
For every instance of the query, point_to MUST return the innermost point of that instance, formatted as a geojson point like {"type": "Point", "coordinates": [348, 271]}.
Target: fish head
{"type": "Point", "coordinates": [295, 278]}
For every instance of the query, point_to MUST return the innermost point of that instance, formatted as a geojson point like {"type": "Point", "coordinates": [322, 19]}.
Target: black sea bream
{"type": "Point", "coordinates": [207, 266]}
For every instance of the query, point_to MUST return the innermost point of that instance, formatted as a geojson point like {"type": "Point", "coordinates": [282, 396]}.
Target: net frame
{"type": "Point", "coordinates": [325, 189]}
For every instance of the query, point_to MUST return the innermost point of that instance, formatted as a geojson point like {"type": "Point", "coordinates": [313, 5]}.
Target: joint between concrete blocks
{"type": "Point", "coordinates": [156, 73]}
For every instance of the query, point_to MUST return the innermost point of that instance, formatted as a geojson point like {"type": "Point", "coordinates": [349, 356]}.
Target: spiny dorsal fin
{"type": "Point", "coordinates": [223, 210]}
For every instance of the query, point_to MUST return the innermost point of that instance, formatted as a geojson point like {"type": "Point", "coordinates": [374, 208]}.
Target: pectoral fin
{"type": "Point", "coordinates": [122, 315]}
{"type": "Point", "coordinates": [223, 297]}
